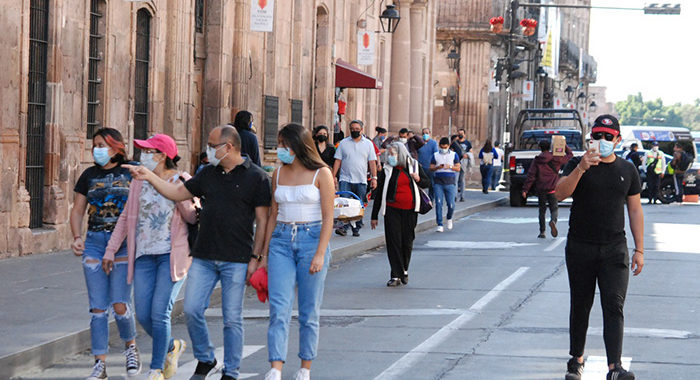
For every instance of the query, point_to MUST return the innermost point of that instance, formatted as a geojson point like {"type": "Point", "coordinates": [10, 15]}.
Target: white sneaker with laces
{"type": "Point", "coordinates": [439, 229]}
{"type": "Point", "coordinates": [133, 360]}
{"type": "Point", "coordinates": [155, 374]}
{"type": "Point", "coordinates": [449, 224]}
{"type": "Point", "coordinates": [302, 374]}
{"type": "Point", "coordinates": [99, 371]}
{"type": "Point", "coordinates": [273, 374]}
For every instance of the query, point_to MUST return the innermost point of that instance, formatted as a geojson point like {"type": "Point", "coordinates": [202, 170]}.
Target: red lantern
{"type": "Point", "coordinates": [529, 26]}
{"type": "Point", "coordinates": [496, 24]}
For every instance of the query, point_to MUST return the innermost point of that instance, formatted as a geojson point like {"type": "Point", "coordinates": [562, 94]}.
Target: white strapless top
{"type": "Point", "coordinates": [300, 203]}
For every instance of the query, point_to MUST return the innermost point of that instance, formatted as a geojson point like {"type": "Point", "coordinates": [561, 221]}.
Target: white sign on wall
{"type": "Point", "coordinates": [493, 87]}
{"type": "Point", "coordinates": [365, 47]}
{"type": "Point", "coordinates": [262, 15]}
{"type": "Point", "coordinates": [528, 90]}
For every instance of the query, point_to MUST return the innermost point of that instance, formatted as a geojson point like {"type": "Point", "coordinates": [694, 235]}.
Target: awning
{"type": "Point", "coordinates": [349, 76]}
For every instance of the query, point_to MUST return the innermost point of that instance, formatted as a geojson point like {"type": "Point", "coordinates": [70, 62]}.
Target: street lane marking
{"type": "Point", "coordinates": [454, 244]}
{"type": "Point", "coordinates": [647, 333]}
{"type": "Point", "coordinates": [396, 370]}
{"type": "Point", "coordinates": [186, 370]}
{"type": "Point", "coordinates": [514, 220]}
{"type": "Point", "coordinates": [674, 237]}
{"type": "Point", "coordinates": [265, 313]}
{"type": "Point", "coordinates": [555, 244]}
{"type": "Point", "coordinates": [596, 367]}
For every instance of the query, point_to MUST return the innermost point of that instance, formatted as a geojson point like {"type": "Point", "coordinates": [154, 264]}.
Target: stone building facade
{"type": "Point", "coordinates": [182, 67]}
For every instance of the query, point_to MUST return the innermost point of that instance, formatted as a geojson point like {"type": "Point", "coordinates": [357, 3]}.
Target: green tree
{"type": "Point", "coordinates": [635, 111]}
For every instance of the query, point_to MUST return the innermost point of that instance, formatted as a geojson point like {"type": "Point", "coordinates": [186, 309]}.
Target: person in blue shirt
{"type": "Point", "coordinates": [445, 166]}
{"type": "Point", "coordinates": [487, 154]}
{"type": "Point", "coordinates": [425, 155]}
{"type": "Point", "coordinates": [249, 140]}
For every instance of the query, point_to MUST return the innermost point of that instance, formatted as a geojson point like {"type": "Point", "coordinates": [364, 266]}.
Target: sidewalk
{"type": "Point", "coordinates": [43, 301]}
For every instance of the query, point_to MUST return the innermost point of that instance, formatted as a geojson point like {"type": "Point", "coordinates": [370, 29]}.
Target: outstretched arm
{"type": "Point", "coordinates": [174, 191]}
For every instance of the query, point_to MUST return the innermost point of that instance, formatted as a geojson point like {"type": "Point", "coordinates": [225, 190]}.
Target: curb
{"type": "Point", "coordinates": [47, 354]}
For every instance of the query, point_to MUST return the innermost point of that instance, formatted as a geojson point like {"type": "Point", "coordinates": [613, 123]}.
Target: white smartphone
{"type": "Point", "coordinates": [595, 145]}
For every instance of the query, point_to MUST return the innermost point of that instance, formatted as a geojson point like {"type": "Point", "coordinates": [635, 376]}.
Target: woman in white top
{"type": "Point", "coordinates": [297, 236]}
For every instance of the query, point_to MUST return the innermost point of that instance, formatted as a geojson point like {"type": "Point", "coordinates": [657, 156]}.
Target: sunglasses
{"type": "Point", "coordinates": [599, 135]}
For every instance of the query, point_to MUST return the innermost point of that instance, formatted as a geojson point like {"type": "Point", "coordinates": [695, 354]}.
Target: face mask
{"type": "Point", "coordinates": [391, 160]}
{"type": "Point", "coordinates": [426, 137]}
{"type": "Point", "coordinates": [355, 134]}
{"type": "Point", "coordinates": [321, 138]}
{"type": "Point", "coordinates": [444, 150]}
{"type": "Point", "coordinates": [403, 139]}
{"type": "Point", "coordinates": [211, 155]}
{"type": "Point", "coordinates": [101, 156]}
{"type": "Point", "coordinates": [382, 138]}
{"type": "Point", "coordinates": [284, 155]}
{"type": "Point", "coordinates": [606, 148]}
{"type": "Point", "coordinates": [148, 162]}
{"type": "Point", "coordinates": [461, 137]}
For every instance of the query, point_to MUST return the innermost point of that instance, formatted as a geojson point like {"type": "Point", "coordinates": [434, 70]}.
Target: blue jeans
{"type": "Point", "coordinates": [486, 173]}
{"type": "Point", "coordinates": [106, 290]}
{"type": "Point", "coordinates": [360, 189]}
{"type": "Point", "coordinates": [496, 176]}
{"type": "Point", "coordinates": [292, 248]}
{"type": "Point", "coordinates": [154, 295]}
{"type": "Point", "coordinates": [203, 276]}
{"type": "Point", "coordinates": [444, 193]}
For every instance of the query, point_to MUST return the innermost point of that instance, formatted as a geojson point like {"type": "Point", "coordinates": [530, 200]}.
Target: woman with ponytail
{"type": "Point", "coordinates": [158, 255]}
{"type": "Point", "coordinates": [102, 190]}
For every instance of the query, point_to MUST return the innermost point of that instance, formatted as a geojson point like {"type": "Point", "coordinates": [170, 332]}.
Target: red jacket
{"type": "Point", "coordinates": [544, 171]}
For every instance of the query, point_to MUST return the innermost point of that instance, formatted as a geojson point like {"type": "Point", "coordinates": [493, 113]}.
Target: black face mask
{"type": "Point", "coordinates": [461, 136]}
{"type": "Point", "coordinates": [321, 138]}
{"type": "Point", "coordinates": [355, 134]}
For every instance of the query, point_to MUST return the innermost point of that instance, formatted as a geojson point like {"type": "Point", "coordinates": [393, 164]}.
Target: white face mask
{"type": "Point", "coordinates": [148, 162]}
{"type": "Point", "coordinates": [655, 149]}
{"type": "Point", "coordinates": [403, 139]}
{"type": "Point", "coordinates": [444, 150]}
{"type": "Point", "coordinates": [211, 155]}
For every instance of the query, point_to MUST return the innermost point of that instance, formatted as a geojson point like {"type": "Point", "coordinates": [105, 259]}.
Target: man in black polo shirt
{"type": "Point", "coordinates": [596, 250]}
{"type": "Point", "coordinates": [237, 194]}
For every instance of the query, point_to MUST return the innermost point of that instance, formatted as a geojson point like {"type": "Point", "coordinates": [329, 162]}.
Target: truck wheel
{"type": "Point", "coordinates": [667, 191]}
{"type": "Point", "coordinates": [516, 196]}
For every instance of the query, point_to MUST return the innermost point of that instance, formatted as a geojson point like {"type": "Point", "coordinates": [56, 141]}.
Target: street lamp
{"type": "Point", "coordinates": [390, 19]}
{"type": "Point", "coordinates": [569, 92]}
{"type": "Point", "coordinates": [453, 59]}
{"type": "Point", "coordinates": [581, 96]}
{"type": "Point", "coordinates": [592, 106]}
{"type": "Point", "coordinates": [541, 72]}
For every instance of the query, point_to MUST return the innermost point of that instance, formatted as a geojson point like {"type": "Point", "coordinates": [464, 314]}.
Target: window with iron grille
{"type": "Point", "coordinates": [199, 16]}
{"type": "Point", "coordinates": [36, 108]}
{"type": "Point", "coordinates": [271, 120]}
{"type": "Point", "coordinates": [96, 49]}
{"type": "Point", "coordinates": [143, 36]}
{"type": "Point", "coordinates": [297, 111]}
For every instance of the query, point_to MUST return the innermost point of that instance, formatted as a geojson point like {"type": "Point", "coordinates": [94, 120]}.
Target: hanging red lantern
{"type": "Point", "coordinates": [529, 26]}
{"type": "Point", "coordinates": [496, 24]}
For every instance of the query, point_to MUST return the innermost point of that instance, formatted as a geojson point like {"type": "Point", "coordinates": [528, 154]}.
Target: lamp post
{"type": "Point", "coordinates": [453, 58]}
{"type": "Point", "coordinates": [390, 19]}
{"type": "Point", "coordinates": [592, 107]}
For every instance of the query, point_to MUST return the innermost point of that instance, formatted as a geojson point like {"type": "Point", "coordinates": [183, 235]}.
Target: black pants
{"type": "Point", "coordinates": [542, 200]}
{"type": "Point", "coordinates": [678, 181]}
{"type": "Point", "coordinates": [399, 231]}
{"type": "Point", "coordinates": [609, 266]}
{"type": "Point", "coordinates": [653, 180]}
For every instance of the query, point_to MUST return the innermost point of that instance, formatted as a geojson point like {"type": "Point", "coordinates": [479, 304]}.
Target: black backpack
{"type": "Point", "coordinates": [192, 229]}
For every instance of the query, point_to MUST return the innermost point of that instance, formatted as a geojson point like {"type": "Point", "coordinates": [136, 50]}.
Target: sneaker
{"type": "Point", "coordinates": [171, 360]}
{"type": "Point", "coordinates": [461, 199]}
{"type": "Point", "coordinates": [203, 370]}
{"type": "Point", "coordinates": [574, 369]}
{"type": "Point", "coordinates": [273, 374]}
{"type": "Point", "coordinates": [439, 229]}
{"type": "Point", "coordinates": [341, 231]}
{"type": "Point", "coordinates": [541, 235]}
{"type": "Point", "coordinates": [355, 233]}
{"type": "Point", "coordinates": [99, 371]}
{"type": "Point", "coordinates": [133, 360]}
{"type": "Point", "coordinates": [404, 279]}
{"type": "Point", "coordinates": [553, 227]}
{"type": "Point", "coordinates": [393, 282]}
{"type": "Point", "coordinates": [619, 373]}
{"type": "Point", "coordinates": [155, 374]}
{"type": "Point", "coordinates": [449, 224]}
{"type": "Point", "coordinates": [227, 377]}
{"type": "Point", "coordinates": [302, 374]}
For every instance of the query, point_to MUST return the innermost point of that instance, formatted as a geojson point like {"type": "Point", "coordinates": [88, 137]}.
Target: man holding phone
{"type": "Point", "coordinates": [596, 250]}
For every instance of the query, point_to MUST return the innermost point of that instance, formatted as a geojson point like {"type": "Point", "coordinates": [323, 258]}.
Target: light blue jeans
{"type": "Point", "coordinates": [444, 193]}
{"type": "Point", "coordinates": [105, 290]}
{"type": "Point", "coordinates": [202, 277]}
{"type": "Point", "coordinates": [154, 295]}
{"type": "Point", "coordinates": [292, 248]}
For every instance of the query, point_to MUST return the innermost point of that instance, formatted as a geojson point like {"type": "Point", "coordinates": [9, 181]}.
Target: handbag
{"type": "Point", "coordinates": [425, 204]}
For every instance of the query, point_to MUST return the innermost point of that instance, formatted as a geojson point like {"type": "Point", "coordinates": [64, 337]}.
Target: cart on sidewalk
{"type": "Point", "coordinates": [348, 208]}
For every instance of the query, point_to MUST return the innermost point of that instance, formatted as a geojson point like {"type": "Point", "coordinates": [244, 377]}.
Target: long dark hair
{"type": "Point", "coordinates": [114, 139]}
{"type": "Point", "coordinates": [488, 148]}
{"type": "Point", "coordinates": [298, 139]}
{"type": "Point", "coordinates": [242, 120]}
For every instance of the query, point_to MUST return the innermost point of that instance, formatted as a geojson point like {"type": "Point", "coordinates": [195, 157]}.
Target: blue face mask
{"type": "Point", "coordinates": [148, 162]}
{"type": "Point", "coordinates": [391, 160]}
{"type": "Point", "coordinates": [606, 148]}
{"type": "Point", "coordinates": [101, 156]}
{"type": "Point", "coordinates": [426, 137]}
{"type": "Point", "coordinates": [285, 156]}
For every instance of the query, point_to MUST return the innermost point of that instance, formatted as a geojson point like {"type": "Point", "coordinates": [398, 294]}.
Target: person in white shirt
{"type": "Point", "coordinates": [445, 166]}
{"type": "Point", "coordinates": [497, 166]}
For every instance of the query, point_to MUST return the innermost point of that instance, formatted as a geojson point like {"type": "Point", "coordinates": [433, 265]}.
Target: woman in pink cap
{"type": "Point", "coordinates": [155, 229]}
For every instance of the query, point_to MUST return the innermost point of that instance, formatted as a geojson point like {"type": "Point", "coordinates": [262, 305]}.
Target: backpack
{"type": "Point", "coordinates": [192, 229]}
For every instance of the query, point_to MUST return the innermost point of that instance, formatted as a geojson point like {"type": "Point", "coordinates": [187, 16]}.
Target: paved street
{"type": "Point", "coordinates": [485, 300]}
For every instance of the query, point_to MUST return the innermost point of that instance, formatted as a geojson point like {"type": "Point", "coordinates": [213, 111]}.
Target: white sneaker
{"type": "Point", "coordinates": [155, 374]}
{"type": "Point", "coordinates": [302, 374]}
{"type": "Point", "coordinates": [99, 371]}
{"type": "Point", "coordinates": [171, 360]}
{"type": "Point", "coordinates": [273, 374]}
{"type": "Point", "coordinates": [439, 229]}
{"type": "Point", "coordinates": [449, 224]}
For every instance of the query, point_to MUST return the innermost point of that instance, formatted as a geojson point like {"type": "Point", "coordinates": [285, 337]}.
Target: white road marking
{"type": "Point", "coordinates": [265, 313]}
{"type": "Point", "coordinates": [596, 367]}
{"type": "Point", "coordinates": [454, 244]}
{"type": "Point", "coordinates": [514, 220]}
{"type": "Point", "coordinates": [555, 244]}
{"type": "Point", "coordinates": [673, 237]}
{"type": "Point", "coordinates": [186, 370]}
{"type": "Point", "coordinates": [647, 333]}
{"type": "Point", "coordinates": [396, 370]}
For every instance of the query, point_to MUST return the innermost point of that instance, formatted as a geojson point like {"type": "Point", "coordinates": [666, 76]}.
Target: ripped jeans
{"type": "Point", "coordinates": [106, 290]}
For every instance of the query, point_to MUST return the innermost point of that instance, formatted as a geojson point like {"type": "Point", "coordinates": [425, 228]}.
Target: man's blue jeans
{"type": "Point", "coordinates": [292, 248]}
{"type": "Point", "coordinates": [496, 176]}
{"type": "Point", "coordinates": [444, 193]}
{"type": "Point", "coordinates": [360, 189]}
{"type": "Point", "coordinates": [154, 295]}
{"type": "Point", "coordinates": [202, 277]}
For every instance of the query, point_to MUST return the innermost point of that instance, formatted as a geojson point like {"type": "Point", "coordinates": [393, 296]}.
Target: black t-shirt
{"type": "Point", "coordinates": [598, 212]}
{"type": "Point", "coordinates": [106, 192]}
{"type": "Point", "coordinates": [328, 155]}
{"type": "Point", "coordinates": [227, 217]}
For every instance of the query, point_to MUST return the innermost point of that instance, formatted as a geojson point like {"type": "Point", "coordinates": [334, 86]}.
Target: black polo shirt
{"type": "Point", "coordinates": [226, 220]}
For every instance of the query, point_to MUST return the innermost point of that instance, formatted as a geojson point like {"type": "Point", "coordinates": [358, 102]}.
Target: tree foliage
{"type": "Point", "coordinates": [635, 111]}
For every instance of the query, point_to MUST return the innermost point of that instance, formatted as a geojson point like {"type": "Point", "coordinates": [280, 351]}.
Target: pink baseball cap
{"type": "Point", "coordinates": [163, 143]}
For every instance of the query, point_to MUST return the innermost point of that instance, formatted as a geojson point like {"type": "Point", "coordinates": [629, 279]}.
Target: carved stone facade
{"type": "Point", "coordinates": [202, 64]}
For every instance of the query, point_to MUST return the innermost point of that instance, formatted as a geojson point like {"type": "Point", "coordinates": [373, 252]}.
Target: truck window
{"type": "Point", "coordinates": [530, 140]}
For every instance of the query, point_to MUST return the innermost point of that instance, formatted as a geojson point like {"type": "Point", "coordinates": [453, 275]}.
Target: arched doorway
{"type": "Point", "coordinates": [322, 96]}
